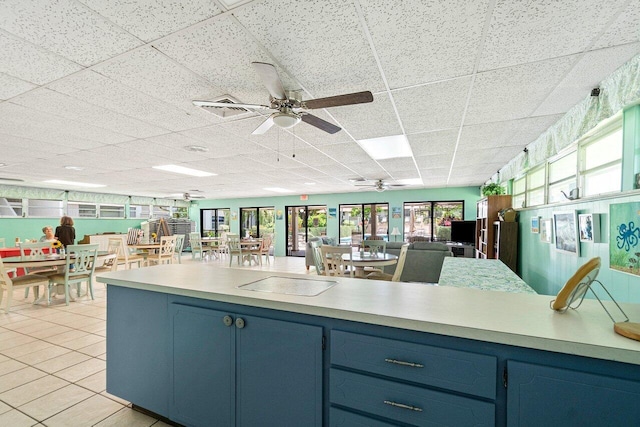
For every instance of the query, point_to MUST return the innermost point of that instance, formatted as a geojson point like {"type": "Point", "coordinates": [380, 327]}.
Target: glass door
{"type": "Point", "coordinates": [304, 222]}
{"type": "Point", "coordinates": [358, 222]}
{"type": "Point", "coordinates": [257, 222]}
{"type": "Point", "coordinates": [214, 221]}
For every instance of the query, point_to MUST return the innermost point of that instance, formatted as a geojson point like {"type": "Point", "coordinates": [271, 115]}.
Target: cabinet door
{"type": "Point", "coordinates": [279, 373]}
{"type": "Point", "coordinates": [138, 362]}
{"type": "Point", "coordinates": [203, 370]}
{"type": "Point", "coordinates": [543, 396]}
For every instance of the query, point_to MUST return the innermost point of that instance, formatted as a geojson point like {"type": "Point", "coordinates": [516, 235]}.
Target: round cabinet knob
{"type": "Point", "coordinates": [239, 323]}
{"type": "Point", "coordinates": [227, 320]}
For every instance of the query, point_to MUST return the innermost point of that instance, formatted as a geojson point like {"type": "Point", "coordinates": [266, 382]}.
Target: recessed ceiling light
{"type": "Point", "coordinates": [196, 148]}
{"type": "Point", "coordinates": [2, 165]}
{"type": "Point", "coordinates": [410, 181]}
{"type": "Point", "coordinates": [74, 168]}
{"type": "Point", "coordinates": [387, 147]}
{"type": "Point", "coordinates": [309, 183]}
{"type": "Point", "coordinates": [74, 184]}
{"type": "Point", "coordinates": [278, 190]}
{"type": "Point", "coordinates": [183, 170]}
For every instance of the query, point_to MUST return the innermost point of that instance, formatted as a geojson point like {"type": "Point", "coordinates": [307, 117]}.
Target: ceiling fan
{"type": "Point", "coordinates": [379, 184]}
{"type": "Point", "coordinates": [287, 106]}
{"type": "Point", "coordinates": [188, 196]}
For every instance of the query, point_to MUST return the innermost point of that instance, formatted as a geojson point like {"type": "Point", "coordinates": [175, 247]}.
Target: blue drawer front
{"type": "Point", "coordinates": [369, 394]}
{"type": "Point", "coordinates": [455, 370]}
{"type": "Point", "coordinates": [340, 418]}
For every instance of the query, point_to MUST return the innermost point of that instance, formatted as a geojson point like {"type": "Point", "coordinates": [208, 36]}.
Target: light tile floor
{"type": "Point", "coordinates": [53, 360]}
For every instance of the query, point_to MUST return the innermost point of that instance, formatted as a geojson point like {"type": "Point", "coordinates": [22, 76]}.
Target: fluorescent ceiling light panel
{"type": "Point", "coordinates": [278, 190]}
{"type": "Point", "coordinates": [74, 184]}
{"type": "Point", "coordinates": [183, 170]}
{"type": "Point", "coordinates": [410, 181]}
{"type": "Point", "coordinates": [387, 147]}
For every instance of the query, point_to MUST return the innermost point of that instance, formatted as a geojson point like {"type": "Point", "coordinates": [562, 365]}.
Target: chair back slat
{"type": "Point", "coordinates": [400, 265]}
{"type": "Point", "coordinates": [337, 260]}
{"type": "Point", "coordinates": [30, 251]}
{"type": "Point", "coordinates": [83, 258]}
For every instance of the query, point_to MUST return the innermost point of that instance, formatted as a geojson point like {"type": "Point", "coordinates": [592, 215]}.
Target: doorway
{"type": "Point", "coordinates": [304, 222]}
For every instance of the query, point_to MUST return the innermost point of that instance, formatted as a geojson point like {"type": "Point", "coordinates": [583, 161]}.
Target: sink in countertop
{"type": "Point", "coordinates": [289, 286]}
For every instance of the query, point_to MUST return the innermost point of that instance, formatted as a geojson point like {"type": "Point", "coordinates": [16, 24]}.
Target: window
{"type": "Point", "coordinates": [10, 207]}
{"type": "Point", "coordinates": [519, 191]}
{"type": "Point", "coordinates": [601, 164]}
{"type": "Point", "coordinates": [358, 222]}
{"type": "Point", "coordinates": [535, 186]}
{"type": "Point", "coordinates": [139, 211]}
{"type": "Point", "coordinates": [214, 221]}
{"type": "Point", "coordinates": [44, 208]}
{"type": "Point", "coordinates": [111, 211]}
{"type": "Point", "coordinates": [431, 220]}
{"type": "Point", "coordinates": [257, 222]}
{"type": "Point", "coordinates": [82, 210]}
{"type": "Point", "coordinates": [161, 212]}
{"type": "Point", "coordinates": [562, 176]}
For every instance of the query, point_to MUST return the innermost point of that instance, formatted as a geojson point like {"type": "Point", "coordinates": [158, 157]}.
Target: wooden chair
{"type": "Point", "coordinates": [179, 246]}
{"type": "Point", "coordinates": [263, 250]}
{"type": "Point", "coordinates": [128, 257]}
{"type": "Point", "coordinates": [316, 254]}
{"type": "Point", "coordinates": [334, 261]}
{"type": "Point", "coordinates": [83, 258]}
{"type": "Point", "coordinates": [235, 249]}
{"type": "Point", "coordinates": [375, 246]}
{"type": "Point", "coordinates": [195, 240]}
{"type": "Point", "coordinates": [114, 247]}
{"type": "Point", "coordinates": [9, 284]}
{"type": "Point", "coordinates": [395, 277]}
{"type": "Point", "coordinates": [165, 253]}
{"type": "Point", "coordinates": [30, 251]}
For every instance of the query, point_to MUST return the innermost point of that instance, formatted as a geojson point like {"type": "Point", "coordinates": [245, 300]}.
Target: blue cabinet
{"type": "Point", "coordinates": [230, 369]}
{"type": "Point", "coordinates": [545, 396]}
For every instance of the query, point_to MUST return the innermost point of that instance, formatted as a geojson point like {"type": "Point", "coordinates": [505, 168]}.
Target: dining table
{"type": "Point", "coordinates": [213, 243]}
{"type": "Point", "coordinates": [361, 260]}
{"type": "Point", "coordinates": [248, 245]}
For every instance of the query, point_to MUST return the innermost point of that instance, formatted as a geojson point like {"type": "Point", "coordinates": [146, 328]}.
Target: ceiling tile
{"type": "Point", "coordinates": [434, 106]}
{"type": "Point", "coordinates": [624, 29]}
{"type": "Point", "coordinates": [11, 86]}
{"type": "Point", "coordinates": [515, 92]}
{"type": "Point", "coordinates": [428, 32]}
{"type": "Point", "coordinates": [152, 19]}
{"type": "Point", "coordinates": [370, 120]}
{"type": "Point", "coordinates": [67, 28]}
{"type": "Point", "coordinates": [32, 63]}
{"type": "Point", "coordinates": [327, 35]}
{"type": "Point", "coordinates": [523, 32]}
{"type": "Point", "coordinates": [441, 161]}
{"type": "Point", "coordinates": [433, 143]}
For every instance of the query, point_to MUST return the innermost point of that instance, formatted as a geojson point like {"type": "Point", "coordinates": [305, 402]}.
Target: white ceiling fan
{"type": "Point", "coordinates": [287, 106]}
{"type": "Point", "coordinates": [378, 184]}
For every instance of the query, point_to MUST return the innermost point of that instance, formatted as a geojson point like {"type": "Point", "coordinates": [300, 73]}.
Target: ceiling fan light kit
{"type": "Point", "coordinates": [287, 105]}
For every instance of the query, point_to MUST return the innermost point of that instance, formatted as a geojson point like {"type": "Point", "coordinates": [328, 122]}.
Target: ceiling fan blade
{"type": "Point", "coordinates": [270, 79]}
{"type": "Point", "coordinates": [230, 105]}
{"type": "Point", "coordinates": [338, 100]}
{"type": "Point", "coordinates": [265, 126]}
{"type": "Point", "coordinates": [320, 123]}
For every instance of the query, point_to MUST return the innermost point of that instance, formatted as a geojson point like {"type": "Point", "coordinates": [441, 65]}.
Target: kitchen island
{"type": "Point", "coordinates": [361, 351]}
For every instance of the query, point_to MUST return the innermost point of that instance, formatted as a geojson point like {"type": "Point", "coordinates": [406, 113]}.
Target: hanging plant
{"type": "Point", "coordinates": [492, 189]}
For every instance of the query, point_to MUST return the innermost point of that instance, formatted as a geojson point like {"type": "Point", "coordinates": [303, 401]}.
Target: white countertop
{"type": "Point", "coordinates": [523, 320]}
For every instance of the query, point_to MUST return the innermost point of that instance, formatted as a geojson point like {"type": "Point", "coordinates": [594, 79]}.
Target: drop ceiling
{"type": "Point", "coordinates": [107, 87]}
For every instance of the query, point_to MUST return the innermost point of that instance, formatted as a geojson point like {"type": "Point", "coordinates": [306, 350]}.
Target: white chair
{"type": "Point", "coordinates": [316, 254]}
{"type": "Point", "coordinates": [337, 260]}
{"type": "Point", "coordinates": [166, 251]}
{"type": "Point", "coordinates": [83, 258]}
{"type": "Point", "coordinates": [9, 284]}
{"type": "Point", "coordinates": [114, 248]}
{"type": "Point", "coordinates": [31, 251]}
{"type": "Point", "coordinates": [128, 256]}
{"type": "Point", "coordinates": [195, 241]}
{"type": "Point", "coordinates": [235, 249]}
{"type": "Point", "coordinates": [395, 277]}
{"type": "Point", "coordinates": [263, 249]}
{"type": "Point", "coordinates": [179, 245]}
{"type": "Point", "coordinates": [375, 247]}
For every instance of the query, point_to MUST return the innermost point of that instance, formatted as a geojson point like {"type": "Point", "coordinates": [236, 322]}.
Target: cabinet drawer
{"type": "Point", "coordinates": [406, 403]}
{"type": "Point", "coordinates": [455, 370]}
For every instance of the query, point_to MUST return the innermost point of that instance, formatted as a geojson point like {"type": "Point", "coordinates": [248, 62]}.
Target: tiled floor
{"type": "Point", "coordinates": [52, 361]}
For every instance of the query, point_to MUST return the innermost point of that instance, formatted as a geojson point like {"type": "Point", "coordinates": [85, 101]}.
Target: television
{"type": "Point", "coordinates": [463, 231]}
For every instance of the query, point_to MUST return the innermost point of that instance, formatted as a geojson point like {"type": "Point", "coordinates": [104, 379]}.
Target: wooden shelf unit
{"type": "Point", "coordinates": [506, 243]}
{"type": "Point", "coordinates": [486, 214]}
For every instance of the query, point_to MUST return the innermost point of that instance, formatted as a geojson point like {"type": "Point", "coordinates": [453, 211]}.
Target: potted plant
{"type": "Point", "coordinates": [492, 189]}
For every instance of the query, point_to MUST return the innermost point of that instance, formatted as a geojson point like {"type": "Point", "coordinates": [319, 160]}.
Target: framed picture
{"type": "Point", "coordinates": [624, 237]}
{"type": "Point", "coordinates": [589, 225]}
{"type": "Point", "coordinates": [546, 230]}
{"type": "Point", "coordinates": [535, 224]}
{"type": "Point", "coordinates": [565, 232]}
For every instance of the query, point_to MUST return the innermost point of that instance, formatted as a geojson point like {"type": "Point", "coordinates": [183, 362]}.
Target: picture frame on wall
{"type": "Point", "coordinates": [565, 232]}
{"type": "Point", "coordinates": [546, 230]}
{"type": "Point", "coordinates": [535, 224]}
{"type": "Point", "coordinates": [589, 227]}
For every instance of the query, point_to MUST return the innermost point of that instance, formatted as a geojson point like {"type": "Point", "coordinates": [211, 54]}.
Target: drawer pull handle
{"type": "Point", "coordinates": [402, 405]}
{"type": "Point", "coordinates": [400, 362]}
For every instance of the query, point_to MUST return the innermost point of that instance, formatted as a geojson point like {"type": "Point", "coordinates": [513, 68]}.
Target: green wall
{"type": "Point", "coordinates": [31, 228]}
{"type": "Point", "coordinates": [395, 198]}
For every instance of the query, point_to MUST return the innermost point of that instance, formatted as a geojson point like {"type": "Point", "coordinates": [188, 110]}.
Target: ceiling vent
{"type": "Point", "coordinates": [227, 111]}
